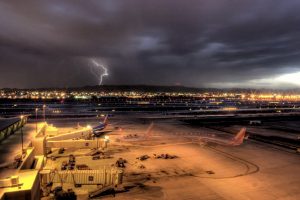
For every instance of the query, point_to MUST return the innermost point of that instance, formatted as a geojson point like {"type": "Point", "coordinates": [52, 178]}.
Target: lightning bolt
{"type": "Point", "coordinates": [99, 70]}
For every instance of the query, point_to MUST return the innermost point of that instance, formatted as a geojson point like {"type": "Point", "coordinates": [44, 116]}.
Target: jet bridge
{"type": "Point", "coordinates": [9, 126]}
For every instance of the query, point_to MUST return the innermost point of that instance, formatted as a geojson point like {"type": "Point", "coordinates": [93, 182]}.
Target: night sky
{"type": "Point", "coordinates": [198, 43]}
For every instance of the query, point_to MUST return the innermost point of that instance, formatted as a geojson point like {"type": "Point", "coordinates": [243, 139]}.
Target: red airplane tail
{"type": "Point", "coordinates": [148, 132]}
{"type": "Point", "coordinates": [239, 137]}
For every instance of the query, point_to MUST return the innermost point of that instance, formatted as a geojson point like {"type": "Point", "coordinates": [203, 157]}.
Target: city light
{"type": "Point", "coordinates": [144, 98]}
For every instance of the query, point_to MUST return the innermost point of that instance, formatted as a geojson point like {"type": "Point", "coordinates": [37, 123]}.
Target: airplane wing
{"type": "Point", "coordinates": [100, 133]}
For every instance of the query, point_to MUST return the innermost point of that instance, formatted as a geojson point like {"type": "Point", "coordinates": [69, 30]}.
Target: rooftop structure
{"type": "Point", "coordinates": [10, 125]}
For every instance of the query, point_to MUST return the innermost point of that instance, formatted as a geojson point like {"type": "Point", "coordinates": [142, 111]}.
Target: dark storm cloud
{"type": "Point", "coordinates": [193, 42]}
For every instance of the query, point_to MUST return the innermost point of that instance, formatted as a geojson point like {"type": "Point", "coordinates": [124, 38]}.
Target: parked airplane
{"type": "Point", "coordinates": [100, 128]}
{"type": "Point", "coordinates": [234, 141]}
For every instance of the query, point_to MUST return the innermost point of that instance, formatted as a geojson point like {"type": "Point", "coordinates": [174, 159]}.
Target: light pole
{"type": "Point", "coordinates": [22, 134]}
{"type": "Point", "coordinates": [106, 141]}
{"type": "Point", "coordinates": [36, 123]}
{"type": "Point", "coordinates": [44, 112]}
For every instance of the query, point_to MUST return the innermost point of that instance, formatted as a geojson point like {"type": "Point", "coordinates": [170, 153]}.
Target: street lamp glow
{"type": "Point", "coordinates": [106, 140]}
{"type": "Point", "coordinates": [21, 117]}
{"type": "Point", "coordinates": [36, 122]}
{"type": "Point", "coordinates": [88, 127]}
{"type": "Point", "coordinates": [44, 112]}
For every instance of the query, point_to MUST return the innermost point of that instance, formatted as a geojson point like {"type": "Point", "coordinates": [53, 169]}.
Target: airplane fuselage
{"type": "Point", "coordinates": [100, 127]}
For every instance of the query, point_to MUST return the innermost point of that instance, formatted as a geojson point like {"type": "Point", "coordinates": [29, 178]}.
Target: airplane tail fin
{"type": "Point", "coordinates": [147, 133]}
{"type": "Point", "coordinates": [105, 119]}
{"type": "Point", "coordinates": [239, 137]}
